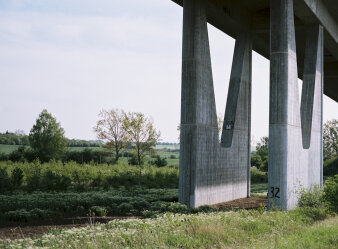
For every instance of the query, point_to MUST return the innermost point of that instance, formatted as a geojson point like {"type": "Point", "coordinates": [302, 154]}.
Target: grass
{"type": "Point", "coordinates": [242, 229]}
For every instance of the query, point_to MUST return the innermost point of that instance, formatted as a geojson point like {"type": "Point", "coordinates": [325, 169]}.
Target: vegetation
{"type": "Point", "coordinates": [111, 129]}
{"type": "Point", "coordinates": [58, 176]}
{"type": "Point", "coordinates": [22, 207]}
{"type": "Point", "coordinates": [242, 229]}
{"type": "Point", "coordinates": [330, 139]}
{"type": "Point", "coordinates": [47, 137]}
{"type": "Point", "coordinates": [260, 159]}
{"type": "Point", "coordinates": [141, 133]}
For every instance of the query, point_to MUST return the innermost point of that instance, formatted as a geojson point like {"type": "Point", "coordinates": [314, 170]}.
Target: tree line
{"type": "Point", "coordinates": [116, 129]}
{"type": "Point", "coordinates": [16, 138]}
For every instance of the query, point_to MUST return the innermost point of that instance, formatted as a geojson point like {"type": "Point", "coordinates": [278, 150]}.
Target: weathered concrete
{"type": "Point", "coordinates": [294, 144]}
{"type": "Point", "coordinates": [210, 173]}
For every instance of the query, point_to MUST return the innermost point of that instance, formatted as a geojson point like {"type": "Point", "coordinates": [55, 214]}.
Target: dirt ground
{"type": "Point", "coordinates": [33, 229]}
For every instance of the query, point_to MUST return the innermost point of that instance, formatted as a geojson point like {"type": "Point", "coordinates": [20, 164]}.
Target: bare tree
{"type": "Point", "coordinates": [110, 128]}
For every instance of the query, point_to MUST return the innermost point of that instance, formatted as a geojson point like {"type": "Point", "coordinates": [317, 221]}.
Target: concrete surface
{"type": "Point", "coordinates": [211, 173]}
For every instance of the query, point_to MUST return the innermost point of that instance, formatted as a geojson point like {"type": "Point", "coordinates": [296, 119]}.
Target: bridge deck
{"type": "Point", "coordinates": [231, 16]}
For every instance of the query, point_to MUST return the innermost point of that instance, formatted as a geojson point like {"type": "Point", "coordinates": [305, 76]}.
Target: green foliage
{"type": "Point", "coordinates": [243, 229]}
{"type": "Point", "coordinates": [16, 177]}
{"type": "Point", "coordinates": [114, 202]}
{"type": "Point", "coordinates": [262, 147]}
{"type": "Point", "coordinates": [58, 176]}
{"type": "Point", "coordinates": [135, 161]}
{"type": "Point", "coordinates": [311, 198]}
{"type": "Point", "coordinates": [331, 193]}
{"type": "Point", "coordinates": [159, 161]}
{"type": "Point", "coordinates": [5, 182]}
{"type": "Point", "coordinates": [99, 211]}
{"type": "Point", "coordinates": [10, 138]}
{"type": "Point", "coordinates": [141, 134]}
{"type": "Point", "coordinates": [330, 139]}
{"type": "Point", "coordinates": [47, 137]}
{"type": "Point", "coordinates": [330, 167]}
{"type": "Point", "coordinates": [22, 215]}
{"type": "Point", "coordinates": [88, 155]}
{"type": "Point", "coordinates": [256, 161]}
{"type": "Point", "coordinates": [258, 176]}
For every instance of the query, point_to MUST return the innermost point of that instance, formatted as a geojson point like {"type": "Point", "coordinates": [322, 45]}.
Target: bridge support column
{"type": "Point", "coordinates": [295, 139]}
{"type": "Point", "coordinates": [211, 173]}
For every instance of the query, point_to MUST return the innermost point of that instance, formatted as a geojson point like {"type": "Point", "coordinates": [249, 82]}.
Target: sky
{"type": "Point", "coordinates": [76, 57]}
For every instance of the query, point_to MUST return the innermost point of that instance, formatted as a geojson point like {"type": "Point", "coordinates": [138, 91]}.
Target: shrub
{"type": "Point", "coordinates": [134, 161]}
{"type": "Point", "coordinates": [5, 182]}
{"type": "Point", "coordinates": [330, 167]}
{"type": "Point", "coordinates": [16, 177]}
{"type": "Point", "coordinates": [159, 161]}
{"type": "Point", "coordinates": [99, 211]}
{"type": "Point", "coordinates": [311, 198]}
{"type": "Point", "coordinates": [258, 176]}
{"type": "Point", "coordinates": [125, 208]}
{"type": "Point", "coordinates": [53, 181]}
{"type": "Point", "coordinates": [18, 215]}
{"type": "Point", "coordinates": [330, 194]}
{"type": "Point", "coordinates": [173, 157]}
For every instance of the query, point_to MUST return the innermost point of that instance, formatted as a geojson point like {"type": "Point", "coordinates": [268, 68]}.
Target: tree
{"type": "Point", "coordinates": [330, 138]}
{"type": "Point", "coordinates": [110, 128]}
{"type": "Point", "coordinates": [47, 137]}
{"type": "Point", "coordinates": [141, 133]}
{"type": "Point", "coordinates": [262, 150]}
{"type": "Point", "coordinates": [262, 147]}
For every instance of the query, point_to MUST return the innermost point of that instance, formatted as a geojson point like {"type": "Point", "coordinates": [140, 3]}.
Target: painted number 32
{"type": "Point", "coordinates": [274, 192]}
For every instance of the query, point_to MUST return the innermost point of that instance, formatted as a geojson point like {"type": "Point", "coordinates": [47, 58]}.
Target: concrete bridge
{"type": "Point", "coordinates": [300, 37]}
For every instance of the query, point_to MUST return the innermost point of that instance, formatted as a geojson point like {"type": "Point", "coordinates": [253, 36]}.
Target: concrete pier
{"type": "Point", "coordinates": [211, 173]}
{"type": "Point", "coordinates": [295, 140]}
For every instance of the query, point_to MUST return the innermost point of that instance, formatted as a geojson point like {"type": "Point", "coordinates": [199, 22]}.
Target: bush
{"type": "Point", "coordinates": [5, 182]}
{"type": "Point", "coordinates": [159, 161]}
{"type": "Point", "coordinates": [99, 211]}
{"type": "Point", "coordinates": [330, 193]}
{"type": "Point", "coordinates": [330, 167]}
{"type": "Point", "coordinates": [16, 177]}
{"type": "Point", "coordinates": [311, 198]}
{"type": "Point", "coordinates": [53, 181]}
{"type": "Point", "coordinates": [133, 160]}
{"type": "Point", "coordinates": [258, 176]}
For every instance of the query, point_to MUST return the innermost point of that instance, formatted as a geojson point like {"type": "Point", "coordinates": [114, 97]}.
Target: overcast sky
{"type": "Point", "coordinates": [75, 57]}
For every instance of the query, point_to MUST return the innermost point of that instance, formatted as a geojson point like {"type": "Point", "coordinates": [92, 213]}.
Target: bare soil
{"type": "Point", "coordinates": [33, 229]}
{"type": "Point", "coordinates": [246, 203]}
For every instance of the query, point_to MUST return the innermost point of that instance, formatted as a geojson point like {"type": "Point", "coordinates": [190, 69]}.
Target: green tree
{"type": "Point", "coordinates": [330, 139]}
{"type": "Point", "coordinates": [47, 137]}
{"type": "Point", "coordinates": [142, 134]}
{"type": "Point", "coordinates": [110, 128]}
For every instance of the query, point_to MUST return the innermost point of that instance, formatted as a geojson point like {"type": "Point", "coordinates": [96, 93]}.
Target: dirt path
{"type": "Point", "coordinates": [33, 229]}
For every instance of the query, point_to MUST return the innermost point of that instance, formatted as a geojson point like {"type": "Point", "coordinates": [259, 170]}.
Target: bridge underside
{"type": "Point", "coordinates": [233, 16]}
{"type": "Point", "coordinates": [213, 171]}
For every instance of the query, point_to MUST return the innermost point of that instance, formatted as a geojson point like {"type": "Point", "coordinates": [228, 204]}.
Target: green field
{"type": "Point", "coordinates": [6, 149]}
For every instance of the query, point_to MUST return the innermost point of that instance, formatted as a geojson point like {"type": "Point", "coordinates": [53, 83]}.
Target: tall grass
{"type": "Point", "coordinates": [243, 229]}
